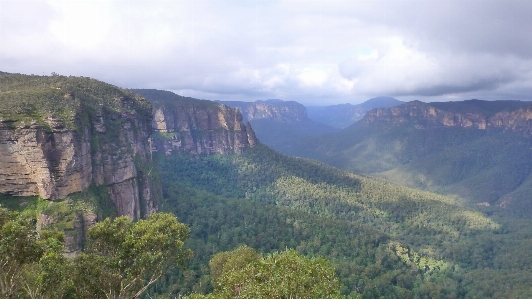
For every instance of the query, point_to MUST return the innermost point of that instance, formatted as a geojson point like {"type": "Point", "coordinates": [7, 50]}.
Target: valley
{"type": "Point", "coordinates": [99, 151]}
{"type": "Point", "coordinates": [476, 150]}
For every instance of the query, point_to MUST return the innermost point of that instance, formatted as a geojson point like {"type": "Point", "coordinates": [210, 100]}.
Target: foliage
{"type": "Point", "coordinates": [359, 252]}
{"type": "Point", "coordinates": [26, 100]}
{"type": "Point", "coordinates": [263, 175]}
{"type": "Point", "coordinates": [383, 239]}
{"type": "Point", "coordinates": [225, 262]}
{"type": "Point", "coordinates": [28, 258]}
{"type": "Point", "coordinates": [124, 258]}
{"type": "Point", "coordinates": [244, 274]}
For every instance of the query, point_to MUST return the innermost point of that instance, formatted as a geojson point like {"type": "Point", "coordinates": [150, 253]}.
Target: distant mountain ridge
{"type": "Point", "coordinates": [273, 109]}
{"type": "Point", "coordinates": [343, 115]}
{"type": "Point", "coordinates": [277, 122]}
{"type": "Point", "coordinates": [475, 149]}
{"type": "Point", "coordinates": [514, 115]}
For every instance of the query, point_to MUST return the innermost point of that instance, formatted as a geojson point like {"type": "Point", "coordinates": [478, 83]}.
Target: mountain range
{"type": "Point", "coordinates": [344, 115]}
{"type": "Point", "coordinates": [276, 122]}
{"type": "Point", "coordinates": [75, 150]}
{"type": "Point", "coordinates": [478, 150]}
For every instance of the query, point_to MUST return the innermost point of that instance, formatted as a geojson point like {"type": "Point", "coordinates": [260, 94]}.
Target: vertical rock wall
{"type": "Point", "coordinates": [201, 130]}
{"type": "Point", "coordinates": [108, 146]}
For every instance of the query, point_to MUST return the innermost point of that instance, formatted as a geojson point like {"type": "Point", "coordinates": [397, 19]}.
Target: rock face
{"type": "Point", "coordinates": [51, 165]}
{"type": "Point", "coordinates": [344, 115]}
{"type": "Point", "coordinates": [196, 126]}
{"type": "Point", "coordinates": [277, 123]}
{"type": "Point", "coordinates": [104, 139]}
{"type": "Point", "coordinates": [285, 111]}
{"type": "Point", "coordinates": [513, 115]}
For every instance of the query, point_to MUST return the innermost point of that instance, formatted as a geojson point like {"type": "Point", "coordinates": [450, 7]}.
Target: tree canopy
{"type": "Point", "coordinates": [243, 273]}
{"type": "Point", "coordinates": [122, 258]}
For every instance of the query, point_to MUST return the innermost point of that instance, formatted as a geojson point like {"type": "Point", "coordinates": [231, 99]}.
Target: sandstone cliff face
{"type": "Point", "coordinates": [425, 115]}
{"type": "Point", "coordinates": [519, 120]}
{"type": "Point", "coordinates": [107, 140]}
{"type": "Point", "coordinates": [196, 126]}
{"type": "Point", "coordinates": [218, 129]}
{"type": "Point", "coordinates": [285, 111]}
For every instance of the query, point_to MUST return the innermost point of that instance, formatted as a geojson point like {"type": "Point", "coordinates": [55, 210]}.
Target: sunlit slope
{"type": "Point", "coordinates": [481, 166]}
{"type": "Point", "coordinates": [279, 201]}
{"type": "Point", "coordinates": [260, 174]}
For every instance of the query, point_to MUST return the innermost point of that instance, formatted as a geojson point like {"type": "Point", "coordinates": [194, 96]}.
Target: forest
{"type": "Point", "coordinates": [489, 166]}
{"type": "Point", "coordinates": [122, 259]}
{"type": "Point", "coordinates": [374, 239]}
{"type": "Point", "coordinates": [384, 240]}
{"type": "Point", "coordinates": [242, 225]}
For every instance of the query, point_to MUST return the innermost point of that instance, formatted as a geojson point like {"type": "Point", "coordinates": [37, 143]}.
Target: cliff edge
{"type": "Point", "coordinates": [184, 124]}
{"type": "Point", "coordinates": [508, 115]}
{"type": "Point", "coordinates": [59, 135]}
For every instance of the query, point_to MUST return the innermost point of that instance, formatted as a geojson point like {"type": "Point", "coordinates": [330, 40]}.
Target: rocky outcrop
{"type": "Point", "coordinates": [427, 115]}
{"type": "Point", "coordinates": [278, 110]}
{"type": "Point", "coordinates": [104, 140]}
{"type": "Point", "coordinates": [519, 120]}
{"type": "Point", "coordinates": [196, 126]}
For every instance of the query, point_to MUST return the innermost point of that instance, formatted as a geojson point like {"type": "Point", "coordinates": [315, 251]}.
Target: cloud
{"type": "Point", "coordinates": [308, 50]}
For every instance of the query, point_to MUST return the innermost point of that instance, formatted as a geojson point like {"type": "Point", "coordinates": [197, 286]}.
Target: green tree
{"type": "Point", "coordinates": [229, 261]}
{"type": "Point", "coordinates": [29, 258]}
{"type": "Point", "coordinates": [123, 258]}
{"type": "Point", "coordinates": [279, 275]}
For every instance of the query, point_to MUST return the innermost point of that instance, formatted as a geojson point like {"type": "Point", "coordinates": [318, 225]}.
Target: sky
{"type": "Point", "coordinates": [314, 52]}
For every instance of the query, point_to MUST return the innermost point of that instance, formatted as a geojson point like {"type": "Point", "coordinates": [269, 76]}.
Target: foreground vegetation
{"type": "Point", "coordinates": [122, 259]}
{"type": "Point", "coordinates": [243, 273]}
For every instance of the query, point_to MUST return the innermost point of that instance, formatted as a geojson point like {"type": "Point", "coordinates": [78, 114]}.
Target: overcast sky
{"type": "Point", "coordinates": [313, 52]}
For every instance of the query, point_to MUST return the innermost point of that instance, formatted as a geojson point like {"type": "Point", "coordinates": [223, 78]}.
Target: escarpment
{"type": "Point", "coordinates": [60, 135]}
{"type": "Point", "coordinates": [183, 124]}
{"type": "Point", "coordinates": [508, 115]}
{"type": "Point", "coordinates": [278, 110]}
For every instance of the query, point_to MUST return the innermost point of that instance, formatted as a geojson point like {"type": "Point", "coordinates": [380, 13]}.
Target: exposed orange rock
{"type": "Point", "coordinates": [424, 115]}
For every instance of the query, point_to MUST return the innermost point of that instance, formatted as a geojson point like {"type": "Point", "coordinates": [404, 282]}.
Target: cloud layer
{"type": "Point", "coordinates": [315, 52]}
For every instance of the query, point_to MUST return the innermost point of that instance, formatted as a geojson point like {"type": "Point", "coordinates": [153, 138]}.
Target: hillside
{"type": "Point", "coordinates": [384, 239]}
{"type": "Point", "coordinates": [475, 149]}
{"type": "Point", "coordinates": [277, 122]}
{"type": "Point", "coordinates": [344, 115]}
{"type": "Point", "coordinates": [80, 137]}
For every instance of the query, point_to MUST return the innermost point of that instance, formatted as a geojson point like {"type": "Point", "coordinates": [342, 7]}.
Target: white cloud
{"type": "Point", "coordinates": [343, 51]}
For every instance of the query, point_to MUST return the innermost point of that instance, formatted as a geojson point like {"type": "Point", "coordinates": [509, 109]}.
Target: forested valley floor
{"type": "Point", "coordinates": [384, 240]}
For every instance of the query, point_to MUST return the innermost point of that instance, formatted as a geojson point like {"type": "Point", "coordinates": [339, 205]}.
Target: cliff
{"type": "Point", "coordinates": [196, 126]}
{"type": "Point", "coordinates": [508, 115]}
{"type": "Point", "coordinates": [278, 110]}
{"type": "Point", "coordinates": [344, 115]}
{"type": "Point", "coordinates": [60, 135]}
{"type": "Point", "coordinates": [277, 123]}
